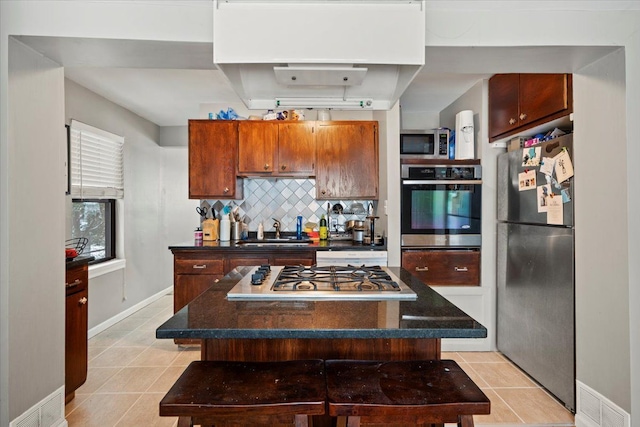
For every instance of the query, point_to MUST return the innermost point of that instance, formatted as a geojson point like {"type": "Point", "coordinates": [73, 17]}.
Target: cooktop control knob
{"type": "Point", "coordinates": [257, 278]}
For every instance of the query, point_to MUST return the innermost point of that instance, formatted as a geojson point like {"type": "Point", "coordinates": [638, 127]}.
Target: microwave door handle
{"type": "Point", "coordinates": [439, 182]}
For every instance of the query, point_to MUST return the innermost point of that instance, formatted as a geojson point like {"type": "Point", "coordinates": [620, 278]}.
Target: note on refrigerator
{"type": "Point", "coordinates": [544, 192]}
{"type": "Point", "coordinates": [527, 180]}
{"type": "Point", "coordinates": [546, 165]}
{"type": "Point", "coordinates": [555, 211]}
{"type": "Point", "coordinates": [531, 156]}
{"type": "Point", "coordinates": [563, 166]}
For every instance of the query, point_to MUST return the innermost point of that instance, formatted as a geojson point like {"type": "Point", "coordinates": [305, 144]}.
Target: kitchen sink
{"type": "Point", "coordinates": [280, 241]}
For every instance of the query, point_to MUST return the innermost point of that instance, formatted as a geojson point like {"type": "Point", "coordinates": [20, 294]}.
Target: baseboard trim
{"type": "Point", "coordinates": [48, 412]}
{"type": "Point", "coordinates": [126, 313]}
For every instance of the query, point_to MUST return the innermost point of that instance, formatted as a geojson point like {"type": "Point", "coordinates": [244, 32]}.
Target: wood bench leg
{"type": "Point", "coordinates": [353, 421]}
{"type": "Point", "coordinates": [302, 421]}
{"type": "Point", "coordinates": [184, 422]}
{"type": "Point", "coordinates": [465, 421]}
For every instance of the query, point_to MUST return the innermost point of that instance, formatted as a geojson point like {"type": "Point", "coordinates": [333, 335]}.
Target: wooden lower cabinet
{"type": "Point", "coordinates": [76, 325]}
{"type": "Point", "coordinates": [194, 271]}
{"type": "Point", "coordinates": [444, 267]}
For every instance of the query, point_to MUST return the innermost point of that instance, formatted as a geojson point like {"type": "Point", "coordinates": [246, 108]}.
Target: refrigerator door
{"type": "Point", "coordinates": [521, 206]}
{"type": "Point", "coordinates": [535, 299]}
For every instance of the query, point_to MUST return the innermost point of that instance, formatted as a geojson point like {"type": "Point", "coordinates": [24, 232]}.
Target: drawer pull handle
{"type": "Point", "coordinates": [75, 283]}
{"type": "Point", "coordinates": [462, 269]}
{"type": "Point", "coordinates": [422, 268]}
{"type": "Point", "coordinates": [200, 266]}
{"type": "Point", "coordinates": [83, 300]}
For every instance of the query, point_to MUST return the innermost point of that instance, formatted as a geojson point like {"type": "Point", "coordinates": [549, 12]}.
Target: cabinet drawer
{"type": "Point", "coordinates": [444, 267]}
{"type": "Point", "coordinates": [199, 266]}
{"type": "Point", "coordinates": [76, 279]}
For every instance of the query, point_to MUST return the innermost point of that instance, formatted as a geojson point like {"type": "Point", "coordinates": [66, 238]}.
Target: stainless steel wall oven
{"type": "Point", "coordinates": [441, 205]}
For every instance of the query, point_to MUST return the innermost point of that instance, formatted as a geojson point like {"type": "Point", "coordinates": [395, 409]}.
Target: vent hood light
{"type": "Point", "coordinates": [320, 75]}
{"type": "Point", "coordinates": [343, 104]}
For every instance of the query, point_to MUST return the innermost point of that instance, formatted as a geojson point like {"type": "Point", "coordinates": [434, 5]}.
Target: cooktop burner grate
{"type": "Point", "coordinates": [335, 278]}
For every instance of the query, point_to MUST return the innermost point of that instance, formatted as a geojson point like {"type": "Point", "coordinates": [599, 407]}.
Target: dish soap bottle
{"type": "Point", "coordinates": [323, 228]}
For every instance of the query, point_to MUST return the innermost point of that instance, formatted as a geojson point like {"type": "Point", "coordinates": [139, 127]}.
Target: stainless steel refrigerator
{"type": "Point", "coordinates": [535, 262]}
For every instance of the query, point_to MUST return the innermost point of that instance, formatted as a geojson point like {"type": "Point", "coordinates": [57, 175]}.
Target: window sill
{"type": "Point", "coordinates": [106, 267]}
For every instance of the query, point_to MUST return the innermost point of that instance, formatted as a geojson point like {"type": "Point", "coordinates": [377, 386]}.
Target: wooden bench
{"type": "Point", "coordinates": [415, 392]}
{"type": "Point", "coordinates": [247, 393]}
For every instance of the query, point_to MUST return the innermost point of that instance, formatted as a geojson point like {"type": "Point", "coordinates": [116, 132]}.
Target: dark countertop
{"type": "Point", "coordinates": [329, 245]}
{"type": "Point", "coordinates": [79, 260]}
{"type": "Point", "coordinates": [211, 315]}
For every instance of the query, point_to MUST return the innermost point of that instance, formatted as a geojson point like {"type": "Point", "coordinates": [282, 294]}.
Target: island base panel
{"type": "Point", "coordinates": [266, 350]}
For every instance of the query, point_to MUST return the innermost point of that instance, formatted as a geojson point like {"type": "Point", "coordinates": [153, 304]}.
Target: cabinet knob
{"type": "Point", "coordinates": [422, 268]}
{"type": "Point", "coordinates": [266, 166]}
{"type": "Point", "coordinates": [523, 116]}
{"type": "Point", "coordinates": [83, 300]}
{"type": "Point", "coordinates": [283, 167]}
{"type": "Point", "coordinates": [461, 269]}
{"type": "Point", "coordinates": [512, 121]}
{"type": "Point", "coordinates": [323, 192]}
{"type": "Point", "coordinates": [226, 190]}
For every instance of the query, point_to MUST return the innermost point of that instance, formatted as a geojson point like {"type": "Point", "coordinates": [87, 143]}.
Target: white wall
{"type": "Point", "coordinates": [156, 205]}
{"type": "Point", "coordinates": [479, 302]}
{"type": "Point", "coordinates": [32, 214]}
{"type": "Point", "coordinates": [602, 277]}
{"type": "Point", "coordinates": [478, 23]}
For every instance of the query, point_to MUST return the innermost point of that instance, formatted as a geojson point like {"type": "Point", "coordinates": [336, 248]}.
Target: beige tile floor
{"type": "Point", "coordinates": [130, 371]}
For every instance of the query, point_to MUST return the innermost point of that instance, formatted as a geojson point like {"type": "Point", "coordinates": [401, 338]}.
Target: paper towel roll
{"type": "Point", "coordinates": [465, 133]}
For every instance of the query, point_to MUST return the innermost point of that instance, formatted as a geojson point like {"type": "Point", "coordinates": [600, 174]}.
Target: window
{"type": "Point", "coordinates": [95, 220]}
{"type": "Point", "coordinates": [96, 182]}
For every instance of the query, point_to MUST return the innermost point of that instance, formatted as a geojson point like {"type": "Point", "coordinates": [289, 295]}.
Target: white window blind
{"type": "Point", "coordinates": [96, 163]}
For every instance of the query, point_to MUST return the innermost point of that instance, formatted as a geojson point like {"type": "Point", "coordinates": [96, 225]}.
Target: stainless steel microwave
{"type": "Point", "coordinates": [424, 144]}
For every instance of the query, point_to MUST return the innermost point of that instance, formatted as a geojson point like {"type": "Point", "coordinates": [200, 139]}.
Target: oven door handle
{"type": "Point", "coordinates": [439, 182]}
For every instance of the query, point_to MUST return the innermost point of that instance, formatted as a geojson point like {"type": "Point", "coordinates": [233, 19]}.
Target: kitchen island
{"type": "Point", "coordinates": [329, 329]}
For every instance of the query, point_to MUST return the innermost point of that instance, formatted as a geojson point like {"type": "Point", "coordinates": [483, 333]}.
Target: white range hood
{"type": "Point", "coordinates": [325, 54]}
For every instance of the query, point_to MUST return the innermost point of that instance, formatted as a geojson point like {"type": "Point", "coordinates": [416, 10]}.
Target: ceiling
{"type": "Point", "coordinates": [165, 82]}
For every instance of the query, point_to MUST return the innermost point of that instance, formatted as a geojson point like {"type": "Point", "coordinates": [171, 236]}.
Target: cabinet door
{"type": "Point", "coordinates": [293, 260]}
{"type": "Point", "coordinates": [246, 260]}
{"type": "Point", "coordinates": [542, 95]}
{"type": "Point", "coordinates": [76, 324]}
{"type": "Point", "coordinates": [296, 148]}
{"type": "Point", "coordinates": [503, 103]}
{"type": "Point", "coordinates": [347, 157]}
{"type": "Point", "coordinates": [213, 154]}
{"type": "Point", "coordinates": [257, 143]}
{"type": "Point", "coordinates": [451, 267]}
{"type": "Point", "coordinates": [187, 287]}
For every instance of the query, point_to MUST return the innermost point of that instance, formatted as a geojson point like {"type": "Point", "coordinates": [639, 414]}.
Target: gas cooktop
{"type": "Point", "coordinates": [321, 283]}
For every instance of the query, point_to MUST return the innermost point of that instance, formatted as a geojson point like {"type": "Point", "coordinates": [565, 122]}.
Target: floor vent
{"type": "Point", "coordinates": [49, 412]}
{"type": "Point", "coordinates": [595, 410]}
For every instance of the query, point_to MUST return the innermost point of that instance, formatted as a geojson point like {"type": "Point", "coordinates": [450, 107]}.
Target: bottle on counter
{"type": "Point", "coordinates": [323, 228]}
{"type": "Point", "coordinates": [225, 228]}
{"type": "Point", "coordinates": [198, 234]}
{"type": "Point", "coordinates": [260, 231]}
{"type": "Point", "coordinates": [299, 228]}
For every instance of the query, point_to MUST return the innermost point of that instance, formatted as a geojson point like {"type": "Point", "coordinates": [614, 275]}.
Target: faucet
{"type": "Point", "coordinates": [277, 226]}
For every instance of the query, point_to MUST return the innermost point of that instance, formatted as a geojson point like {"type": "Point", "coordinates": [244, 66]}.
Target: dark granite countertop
{"type": "Point", "coordinates": [211, 315]}
{"type": "Point", "coordinates": [79, 260]}
{"type": "Point", "coordinates": [329, 245]}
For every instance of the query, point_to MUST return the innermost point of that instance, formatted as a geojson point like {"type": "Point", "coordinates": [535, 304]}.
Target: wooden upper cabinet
{"type": "Point", "coordinates": [347, 157]}
{"type": "Point", "coordinates": [297, 148]}
{"type": "Point", "coordinates": [213, 157]}
{"type": "Point", "coordinates": [521, 101]}
{"type": "Point", "coordinates": [257, 142]}
{"type": "Point", "coordinates": [276, 148]}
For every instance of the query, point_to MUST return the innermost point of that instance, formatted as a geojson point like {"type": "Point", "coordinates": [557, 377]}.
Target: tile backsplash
{"type": "Point", "coordinates": [284, 199]}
